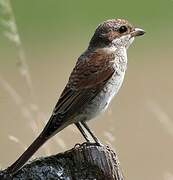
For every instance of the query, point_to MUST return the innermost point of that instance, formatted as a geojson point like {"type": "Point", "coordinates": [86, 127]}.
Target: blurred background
{"type": "Point", "coordinates": [37, 57]}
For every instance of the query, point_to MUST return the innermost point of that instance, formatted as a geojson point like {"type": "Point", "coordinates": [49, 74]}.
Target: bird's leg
{"type": "Point", "coordinates": [91, 133]}
{"type": "Point", "coordinates": [79, 126]}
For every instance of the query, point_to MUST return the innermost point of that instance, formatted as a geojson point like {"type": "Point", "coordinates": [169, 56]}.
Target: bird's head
{"type": "Point", "coordinates": [117, 32]}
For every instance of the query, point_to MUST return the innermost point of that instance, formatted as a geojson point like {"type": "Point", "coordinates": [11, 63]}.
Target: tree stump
{"type": "Point", "coordinates": [83, 162]}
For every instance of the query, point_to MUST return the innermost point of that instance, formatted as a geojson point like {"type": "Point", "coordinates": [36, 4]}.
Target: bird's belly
{"type": "Point", "coordinates": [102, 100]}
{"type": "Point", "coordinates": [110, 90]}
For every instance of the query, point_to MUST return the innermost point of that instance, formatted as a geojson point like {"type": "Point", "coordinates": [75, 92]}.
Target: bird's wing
{"type": "Point", "coordinates": [88, 77]}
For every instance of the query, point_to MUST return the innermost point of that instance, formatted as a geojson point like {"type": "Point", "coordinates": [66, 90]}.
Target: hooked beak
{"type": "Point", "coordinates": [137, 32]}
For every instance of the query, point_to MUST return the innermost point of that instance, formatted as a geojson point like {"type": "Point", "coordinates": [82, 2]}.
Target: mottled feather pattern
{"type": "Point", "coordinates": [91, 84]}
{"type": "Point", "coordinates": [91, 70]}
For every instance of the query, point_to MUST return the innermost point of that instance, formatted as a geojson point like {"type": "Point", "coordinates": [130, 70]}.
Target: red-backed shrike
{"type": "Point", "coordinates": [94, 81]}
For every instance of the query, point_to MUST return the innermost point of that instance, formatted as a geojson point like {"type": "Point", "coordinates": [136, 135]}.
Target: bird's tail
{"type": "Point", "coordinates": [39, 141]}
{"type": "Point", "coordinates": [51, 128]}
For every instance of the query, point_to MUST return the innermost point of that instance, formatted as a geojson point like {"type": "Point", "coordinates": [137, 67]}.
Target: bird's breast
{"type": "Point", "coordinates": [110, 89]}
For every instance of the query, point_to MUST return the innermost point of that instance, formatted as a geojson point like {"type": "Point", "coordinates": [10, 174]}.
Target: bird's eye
{"type": "Point", "coordinates": [122, 29]}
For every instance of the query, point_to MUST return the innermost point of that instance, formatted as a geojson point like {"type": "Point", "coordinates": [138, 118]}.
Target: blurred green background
{"type": "Point", "coordinates": [54, 33]}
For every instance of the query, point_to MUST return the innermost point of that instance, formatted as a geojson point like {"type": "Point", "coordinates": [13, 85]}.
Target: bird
{"type": "Point", "coordinates": [95, 79]}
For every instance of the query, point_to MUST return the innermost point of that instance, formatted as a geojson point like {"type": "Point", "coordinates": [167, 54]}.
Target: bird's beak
{"type": "Point", "coordinates": [137, 32]}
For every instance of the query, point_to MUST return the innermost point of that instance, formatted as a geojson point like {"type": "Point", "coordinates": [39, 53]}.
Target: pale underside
{"type": "Point", "coordinates": [101, 101]}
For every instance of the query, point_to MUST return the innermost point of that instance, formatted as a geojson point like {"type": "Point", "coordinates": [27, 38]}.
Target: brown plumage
{"type": "Point", "coordinates": [95, 79]}
{"type": "Point", "coordinates": [92, 70]}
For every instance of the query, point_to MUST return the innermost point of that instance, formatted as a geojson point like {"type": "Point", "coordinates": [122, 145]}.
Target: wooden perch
{"type": "Point", "coordinates": [83, 162]}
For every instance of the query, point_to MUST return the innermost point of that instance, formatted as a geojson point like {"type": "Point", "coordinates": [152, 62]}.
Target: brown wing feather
{"type": "Point", "coordinates": [91, 70]}
{"type": "Point", "coordinates": [88, 77]}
